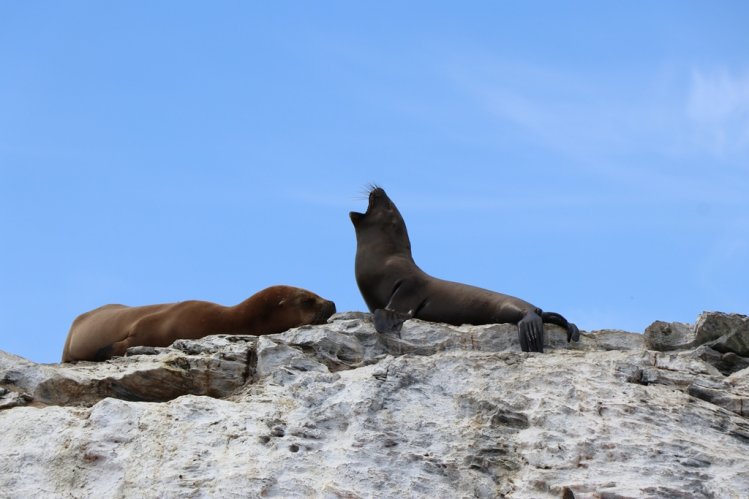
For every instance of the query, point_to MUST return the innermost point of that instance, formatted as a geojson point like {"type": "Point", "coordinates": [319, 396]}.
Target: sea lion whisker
{"type": "Point", "coordinates": [371, 186]}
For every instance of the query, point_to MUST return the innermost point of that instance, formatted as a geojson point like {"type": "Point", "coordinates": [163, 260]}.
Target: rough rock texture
{"type": "Point", "coordinates": [665, 336]}
{"type": "Point", "coordinates": [723, 339]}
{"type": "Point", "coordinates": [724, 332]}
{"type": "Point", "coordinates": [340, 411]}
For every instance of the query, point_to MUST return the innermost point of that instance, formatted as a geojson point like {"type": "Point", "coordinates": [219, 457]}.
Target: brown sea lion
{"type": "Point", "coordinates": [110, 330]}
{"type": "Point", "coordinates": [396, 289]}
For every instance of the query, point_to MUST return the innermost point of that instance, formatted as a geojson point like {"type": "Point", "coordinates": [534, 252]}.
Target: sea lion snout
{"type": "Point", "coordinates": [312, 308]}
{"type": "Point", "coordinates": [376, 195]}
{"type": "Point", "coordinates": [327, 310]}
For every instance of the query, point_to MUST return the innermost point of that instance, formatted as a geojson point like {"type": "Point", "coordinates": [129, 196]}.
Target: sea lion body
{"type": "Point", "coordinates": [396, 289]}
{"type": "Point", "coordinates": [110, 330]}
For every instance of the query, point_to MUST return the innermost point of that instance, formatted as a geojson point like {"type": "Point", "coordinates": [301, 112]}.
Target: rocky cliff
{"type": "Point", "coordinates": [340, 411]}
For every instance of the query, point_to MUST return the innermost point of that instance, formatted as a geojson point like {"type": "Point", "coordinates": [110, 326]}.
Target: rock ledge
{"type": "Point", "coordinates": [340, 411]}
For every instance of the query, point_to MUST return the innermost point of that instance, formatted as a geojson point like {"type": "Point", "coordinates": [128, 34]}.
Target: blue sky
{"type": "Point", "coordinates": [589, 157]}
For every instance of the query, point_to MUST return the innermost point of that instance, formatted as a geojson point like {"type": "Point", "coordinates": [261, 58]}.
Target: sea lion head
{"type": "Point", "coordinates": [294, 307]}
{"type": "Point", "coordinates": [381, 225]}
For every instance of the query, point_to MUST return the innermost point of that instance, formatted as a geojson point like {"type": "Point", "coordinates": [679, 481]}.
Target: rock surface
{"type": "Point", "coordinates": [340, 411]}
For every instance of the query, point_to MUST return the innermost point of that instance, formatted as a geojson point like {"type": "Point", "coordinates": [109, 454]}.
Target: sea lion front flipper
{"type": "Point", "coordinates": [388, 321]}
{"type": "Point", "coordinates": [531, 332]}
{"type": "Point", "coordinates": [404, 302]}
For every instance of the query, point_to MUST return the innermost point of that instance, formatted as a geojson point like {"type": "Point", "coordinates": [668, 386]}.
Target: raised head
{"type": "Point", "coordinates": [382, 225]}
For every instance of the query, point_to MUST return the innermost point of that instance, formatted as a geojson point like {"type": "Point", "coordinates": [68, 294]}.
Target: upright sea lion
{"type": "Point", "coordinates": [396, 289]}
{"type": "Point", "coordinates": [110, 330]}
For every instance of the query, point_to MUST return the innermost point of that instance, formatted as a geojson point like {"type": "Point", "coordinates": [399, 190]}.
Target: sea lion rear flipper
{"type": "Point", "coordinates": [531, 333]}
{"type": "Point", "coordinates": [573, 333]}
{"type": "Point", "coordinates": [387, 321]}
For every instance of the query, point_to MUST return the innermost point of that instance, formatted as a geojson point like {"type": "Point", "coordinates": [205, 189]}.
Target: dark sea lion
{"type": "Point", "coordinates": [396, 289]}
{"type": "Point", "coordinates": [110, 330]}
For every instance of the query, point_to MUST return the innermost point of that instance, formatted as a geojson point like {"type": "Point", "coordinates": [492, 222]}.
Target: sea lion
{"type": "Point", "coordinates": [395, 289]}
{"type": "Point", "coordinates": [110, 330]}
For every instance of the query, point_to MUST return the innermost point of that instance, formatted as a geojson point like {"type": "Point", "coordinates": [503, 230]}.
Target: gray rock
{"type": "Point", "coordinates": [9, 398]}
{"type": "Point", "coordinates": [666, 336]}
{"type": "Point", "coordinates": [141, 350]}
{"type": "Point", "coordinates": [609, 339]}
{"type": "Point", "coordinates": [724, 332]}
{"type": "Point", "coordinates": [338, 410]}
{"type": "Point", "coordinates": [721, 332]}
{"type": "Point", "coordinates": [726, 363]}
{"type": "Point", "coordinates": [219, 368]}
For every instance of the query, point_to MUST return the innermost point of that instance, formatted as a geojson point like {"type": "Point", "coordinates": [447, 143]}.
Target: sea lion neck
{"type": "Point", "coordinates": [246, 314]}
{"type": "Point", "coordinates": [262, 305]}
{"type": "Point", "coordinates": [388, 246]}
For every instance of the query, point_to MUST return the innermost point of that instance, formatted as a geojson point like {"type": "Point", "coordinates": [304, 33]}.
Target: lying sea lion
{"type": "Point", "coordinates": [110, 330]}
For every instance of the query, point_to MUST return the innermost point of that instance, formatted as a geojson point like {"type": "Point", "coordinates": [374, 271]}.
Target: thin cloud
{"type": "Point", "coordinates": [630, 129]}
{"type": "Point", "coordinates": [574, 115]}
{"type": "Point", "coordinates": [718, 107]}
{"type": "Point", "coordinates": [590, 118]}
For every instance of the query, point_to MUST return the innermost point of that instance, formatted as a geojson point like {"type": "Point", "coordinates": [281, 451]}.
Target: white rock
{"type": "Point", "coordinates": [340, 411]}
